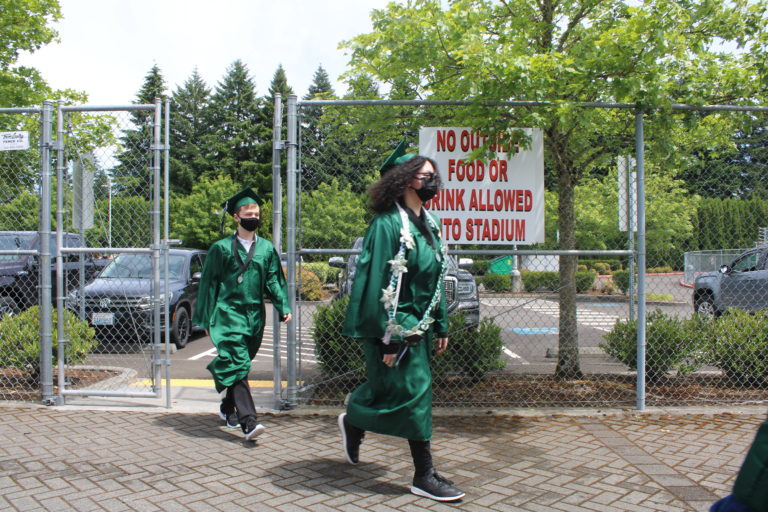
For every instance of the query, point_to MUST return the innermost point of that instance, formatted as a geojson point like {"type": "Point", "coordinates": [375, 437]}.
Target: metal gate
{"type": "Point", "coordinates": [111, 251]}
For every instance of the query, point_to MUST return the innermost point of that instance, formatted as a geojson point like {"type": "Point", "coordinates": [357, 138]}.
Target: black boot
{"type": "Point", "coordinates": [426, 481]}
{"type": "Point", "coordinates": [351, 438]}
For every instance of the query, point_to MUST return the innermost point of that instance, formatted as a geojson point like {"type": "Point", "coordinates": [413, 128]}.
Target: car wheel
{"type": "Point", "coordinates": [8, 306]}
{"type": "Point", "coordinates": [181, 327]}
{"type": "Point", "coordinates": [705, 306]}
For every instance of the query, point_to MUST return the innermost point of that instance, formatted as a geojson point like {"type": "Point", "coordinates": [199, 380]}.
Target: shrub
{"type": "Point", "coordinates": [739, 346]}
{"type": "Point", "coordinates": [478, 267]}
{"type": "Point", "coordinates": [497, 282]}
{"type": "Point", "coordinates": [309, 286]}
{"type": "Point", "coordinates": [20, 340]}
{"type": "Point", "coordinates": [582, 267]}
{"type": "Point", "coordinates": [585, 280]}
{"type": "Point", "coordinates": [670, 343]}
{"type": "Point", "coordinates": [336, 354]}
{"type": "Point", "coordinates": [621, 279]}
{"type": "Point", "coordinates": [535, 281]}
{"type": "Point", "coordinates": [325, 272]}
{"type": "Point", "coordinates": [472, 352]}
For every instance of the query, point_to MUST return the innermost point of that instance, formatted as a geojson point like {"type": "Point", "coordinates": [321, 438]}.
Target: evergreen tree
{"type": "Point", "coordinates": [239, 142]}
{"type": "Point", "coordinates": [279, 85]}
{"type": "Point", "coordinates": [133, 176]}
{"type": "Point", "coordinates": [189, 124]}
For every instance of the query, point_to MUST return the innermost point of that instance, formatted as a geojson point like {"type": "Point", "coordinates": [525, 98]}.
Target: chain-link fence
{"type": "Point", "coordinates": [531, 327]}
{"type": "Point", "coordinates": [110, 208]}
{"type": "Point", "coordinates": [19, 253]}
{"type": "Point", "coordinates": [82, 194]}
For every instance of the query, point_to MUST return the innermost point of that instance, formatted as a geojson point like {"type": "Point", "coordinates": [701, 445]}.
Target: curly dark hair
{"type": "Point", "coordinates": [393, 182]}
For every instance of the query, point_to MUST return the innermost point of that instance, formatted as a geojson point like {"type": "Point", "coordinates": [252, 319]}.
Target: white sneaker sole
{"type": "Point", "coordinates": [344, 438]}
{"type": "Point", "coordinates": [257, 431]}
{"type": "Point", "coordinates": [424, 494]}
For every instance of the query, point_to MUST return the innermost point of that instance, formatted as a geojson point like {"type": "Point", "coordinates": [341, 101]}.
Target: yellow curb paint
{"type": "Point", "coordinates": [206, 383]}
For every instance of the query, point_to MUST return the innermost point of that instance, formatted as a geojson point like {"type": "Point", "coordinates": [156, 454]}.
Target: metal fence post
{"type": "Point", "coordinates": [44, 261]}
{"type": "Point", "coordinates": [277, 226]}
{"type": "Point", "coordinates": [166, 248]}
{"type": "Point", "coordinates": [155, 170]}
{"type": "Point", "coordinates": [60, 334]}
{"type": "Point", "coordinates": [641, 317]}
{"type": "Point", "coordinates": [292, 172]}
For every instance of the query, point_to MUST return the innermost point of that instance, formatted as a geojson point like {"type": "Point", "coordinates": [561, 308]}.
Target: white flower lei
{"type": "Point", "coordinates": [390, 294]}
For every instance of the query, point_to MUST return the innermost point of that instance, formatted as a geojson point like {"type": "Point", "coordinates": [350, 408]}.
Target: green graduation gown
{"type": "Point", "coordinates": [395, 401]}
{"type": "Point", "coordinates": [234, 313]}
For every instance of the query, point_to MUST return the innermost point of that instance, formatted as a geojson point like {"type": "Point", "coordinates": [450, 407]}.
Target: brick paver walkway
{"type": "Point", "coordinates": [75, 459]}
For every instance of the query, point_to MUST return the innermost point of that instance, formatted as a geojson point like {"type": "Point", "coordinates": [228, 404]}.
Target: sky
{"type": "Point", "coordinates": [107, 47]}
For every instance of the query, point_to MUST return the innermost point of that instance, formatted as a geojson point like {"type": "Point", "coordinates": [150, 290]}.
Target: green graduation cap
{"type": "Point", "coordinates": [397, 157]}
{"type": "Point", "coordinates": [243, 197]}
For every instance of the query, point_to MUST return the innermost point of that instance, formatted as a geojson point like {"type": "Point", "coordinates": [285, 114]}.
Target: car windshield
{"type": "Point", "coordinates": [139, 266]}
{"type": "Point", "coordinates": [13, 242]}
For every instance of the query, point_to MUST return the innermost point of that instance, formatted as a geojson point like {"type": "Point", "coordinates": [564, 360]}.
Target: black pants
{"type": "Point", "coordinates": [239, 399]}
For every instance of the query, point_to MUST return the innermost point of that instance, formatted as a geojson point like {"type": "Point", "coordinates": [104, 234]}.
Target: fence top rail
{"type": "Point", "coordinates": [100, 250]}
{"type": "Point", "coordinates": [18, 252]}
{"type": "Point", "coordinates": [106, 108]}
{"type": "Point", "coordinates": [494, 252]}
{"type": "Point", "coordinates": [20, 110]}
{"type": "Point", "coordinates": [596, 104]}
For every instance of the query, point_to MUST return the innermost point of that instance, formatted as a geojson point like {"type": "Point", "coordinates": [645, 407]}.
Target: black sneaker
{"type": "Point", "coordinates": [253, 429]}
{"type": "Point", "coordinates": [229, 417]}
{"type": "Point", "coordinates": [351, 437]}
{"type": "Point", "coordinates": [435, 487]}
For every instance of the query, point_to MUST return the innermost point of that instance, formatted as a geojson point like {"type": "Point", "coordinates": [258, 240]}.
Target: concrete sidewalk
{"type": "Point", "coordinates": [116, 457]}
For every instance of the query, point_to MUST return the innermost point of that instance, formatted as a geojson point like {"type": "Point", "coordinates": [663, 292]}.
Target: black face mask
{"type": "Point", "coordinates": [250, 223]}
{"type": "Point", "coordinates": [428, 189]}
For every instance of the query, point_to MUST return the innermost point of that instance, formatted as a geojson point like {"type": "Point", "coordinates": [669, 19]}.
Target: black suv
{"type": "Point", "coordinates": [460, 287]}
{"type": "Point", "coordinates": [118, 303]}
{"type": "Point", "coordinates": [742, 284]}
{"type": "Point", "coordinates": [19, 275]}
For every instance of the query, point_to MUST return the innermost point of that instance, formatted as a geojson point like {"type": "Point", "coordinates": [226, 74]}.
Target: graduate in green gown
{"type": "Point", "coordinates": [239, 271]}
{"type": "Point", "coordinates": [397, 310]}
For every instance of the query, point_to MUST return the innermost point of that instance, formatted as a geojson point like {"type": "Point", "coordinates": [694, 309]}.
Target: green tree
{"type": "Point", "coordinates": [653, 53]}
{"type": "Point", "coordinates": [24, 26]}
{"type": "Point", "coordinates": [332, 216]}
{"type": "Point", "coordinates": [132, 175]}
{"type": "Point", "coordinates": [196, 218]}
{"type": "Point", "coordinates": [189, 124]}
{"type": "Point", "coordinates": [239, 142]}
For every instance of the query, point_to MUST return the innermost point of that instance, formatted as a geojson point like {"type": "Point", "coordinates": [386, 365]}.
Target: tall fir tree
{"type": "Point", "coordinates": [190, 122]}
{"type": "Point", "coordinates": [238, 144]}
{"type": "Point", "coordinates": [132, 176]}
{"type": "Point", "coordinates": [279, 85]}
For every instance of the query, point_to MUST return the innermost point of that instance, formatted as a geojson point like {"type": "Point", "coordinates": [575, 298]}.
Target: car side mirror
{"type": "Point", "coordinates": [724, 269]}
{"type": "Point", "coordinates": [337, 262]}
{"type": "Point", "coordinates": [197, 276]}
{"type": "Point", "coordinates": [466, 263]}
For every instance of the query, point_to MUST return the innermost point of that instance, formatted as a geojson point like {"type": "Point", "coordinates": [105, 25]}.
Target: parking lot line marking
{"type": "Point", "coordinates": [512, 355]}
{"type": "Point", "coordinates": [211, 352]}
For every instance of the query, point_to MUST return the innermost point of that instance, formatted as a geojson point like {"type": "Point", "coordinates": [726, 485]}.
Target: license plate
{"type": "Point", "coordinates": [103, 318]}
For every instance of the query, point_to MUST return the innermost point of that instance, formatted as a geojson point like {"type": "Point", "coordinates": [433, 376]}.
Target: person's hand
{"type": "Point", "coordinates": [442, 344]}
{"type": "Point", "coordinates": [287, 318]}
{"type": "Point", "coordinates": [389, 360]}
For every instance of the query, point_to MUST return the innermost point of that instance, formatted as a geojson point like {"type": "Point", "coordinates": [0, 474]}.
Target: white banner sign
{"type": "Point", "coordinates": [14, 140]}
{"type": "Point", "coordinates": [495, 201]}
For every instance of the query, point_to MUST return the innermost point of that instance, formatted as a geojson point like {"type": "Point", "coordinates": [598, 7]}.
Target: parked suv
{"type": "Point", "coordinates": [20, 275]}
{"type": "Point", "coordinates": [741, 284]}
{"type": "Point", "coordinates": [460, 287]}
{"type": "Point", "coordinates": [118, 303]}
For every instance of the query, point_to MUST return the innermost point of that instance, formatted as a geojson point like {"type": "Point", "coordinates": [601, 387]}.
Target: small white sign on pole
{"type": "Point", "coordinates": [10, 141]}
{"type": "Point", "coordinates": [499, 200]}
